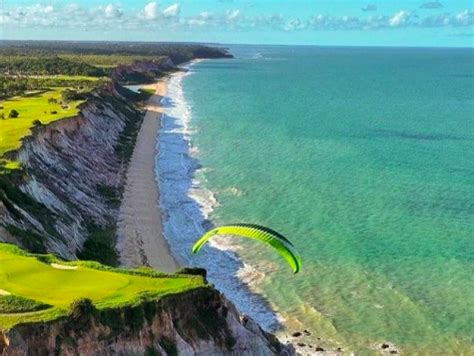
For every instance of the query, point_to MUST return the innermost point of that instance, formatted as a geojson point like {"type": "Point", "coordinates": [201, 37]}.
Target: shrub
{"type": "Point", "coordinates": [13, 114]}
{"type": "Point", "coordinates": [81, 312]}
{"type": "Point", "coordinates": [194, 271]}
{"type": "Point", "coordinates": [150, 309]}
{"type": "Point", "coordinates": [110, 194]}
{"type": "Point", "coordinates": [150, 351]}
{"type": "Point", "coordinates": [82, 307]}
{"type": "Point", "coordinates": [100, 246]}
{"type": "Point", "coordinates": [169, 346]}
{"type": "Point", "coordinates": [29, 239]}
{"type": "Point", "coordinates": [134, 317]}
{"type": "Point", "coordinates": [112, 318]}
{"type": "Point", "coordinates": [10, 304]}
{"type": "Point", "coordinates": [230, 342]}
{"type": "Point", "coordinates": [70, 95]}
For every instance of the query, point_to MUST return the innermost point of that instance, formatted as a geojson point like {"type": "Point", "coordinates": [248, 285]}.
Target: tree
{"type": "Point", "coordinates": [70, 95]}
{"type": "Point", "coordinates": [13, 114]}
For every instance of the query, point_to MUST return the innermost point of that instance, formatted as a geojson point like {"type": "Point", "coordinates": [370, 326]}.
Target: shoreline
{"type": "Point", "coordinates": [140, 239]}
{"type": "Point", "coordinates": [187, 204]}
{"type": "Point", "coordinates": [172, 169]}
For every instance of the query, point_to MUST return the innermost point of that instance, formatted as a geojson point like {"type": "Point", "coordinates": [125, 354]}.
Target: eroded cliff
{"type": "Point", "coordinates": [200, 322]}
{"type": "Point", "coordinates": [72, 172]}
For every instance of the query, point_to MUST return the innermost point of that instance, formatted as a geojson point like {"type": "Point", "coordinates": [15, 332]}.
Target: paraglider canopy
{"type": "Point", "coordinates": [257, 232]}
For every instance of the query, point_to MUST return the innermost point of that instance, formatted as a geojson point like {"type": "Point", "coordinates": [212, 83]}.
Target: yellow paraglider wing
{"type": "Point", "coordinates": [261, 233]}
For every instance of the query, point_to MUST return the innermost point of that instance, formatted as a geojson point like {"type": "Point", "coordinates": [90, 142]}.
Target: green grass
{"type": "Point", "coordinates": [31, 108]}
{"type": "Point", "coordinates": [147, 93]}
{"type": "Point", "coordinates": [68, 77]}
{"type": "Point", "coordinates": [32, 277]}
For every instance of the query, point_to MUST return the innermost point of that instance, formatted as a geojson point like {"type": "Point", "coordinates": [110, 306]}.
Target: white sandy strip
{"type": "Point", "coordinates": [4, 292]}
{"type": "Point", "coordinates": [58, 266]}
{"type": "Point", "coordinates": [140, 239]}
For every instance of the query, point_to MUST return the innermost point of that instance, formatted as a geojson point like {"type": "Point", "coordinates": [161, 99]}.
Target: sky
{"type": "Point", "coordinates": [443, 23]}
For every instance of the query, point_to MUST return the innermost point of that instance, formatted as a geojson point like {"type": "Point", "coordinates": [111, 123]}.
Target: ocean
{"type": "Point", "coordinates": [363, 158]}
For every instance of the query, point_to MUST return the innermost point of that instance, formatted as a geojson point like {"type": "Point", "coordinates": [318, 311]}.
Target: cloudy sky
{"type": "Point", "coordinates": [320, 22]}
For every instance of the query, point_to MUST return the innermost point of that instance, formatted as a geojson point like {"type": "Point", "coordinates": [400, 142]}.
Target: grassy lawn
{"type": "Point", "coordinates": [30, 108]}
{"type": "Point", "coordinates": [68, 77]}
{"type": "Point", "coordinates": [35, 279]}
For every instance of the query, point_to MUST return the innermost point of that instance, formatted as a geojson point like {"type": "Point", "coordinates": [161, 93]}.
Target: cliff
{"type": "Point", "coordinates": [143, 71]}
{"type": "Point", "coordinates": [199, 322]}
{"type": "Point", "coordinates": [70, 170]}
{"type": "Point", "coordinates": [65, 199]}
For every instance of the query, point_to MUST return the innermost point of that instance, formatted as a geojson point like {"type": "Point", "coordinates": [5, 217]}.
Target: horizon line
{"type": "Point", "coordinates": [239, 44]}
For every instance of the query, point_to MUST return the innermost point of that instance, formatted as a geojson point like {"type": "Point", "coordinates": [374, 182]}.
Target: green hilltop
{"type": "Point", "coordinates": [37, 108]}
{"type": "Point", "coordinates": [38, 288]}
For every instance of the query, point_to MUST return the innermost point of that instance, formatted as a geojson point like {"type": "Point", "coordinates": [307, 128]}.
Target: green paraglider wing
{"type": "Point", "coordinates": [260, 233]}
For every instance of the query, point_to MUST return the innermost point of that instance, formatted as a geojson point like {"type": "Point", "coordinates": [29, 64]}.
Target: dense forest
{"type": "Point", "coordinates": [178, 52]}
{"type": "Point", "coordinates": [42, 64]}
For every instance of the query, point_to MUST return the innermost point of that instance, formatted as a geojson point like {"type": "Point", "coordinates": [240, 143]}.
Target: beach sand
{"type": "Point", "coordinates": [140, 239]}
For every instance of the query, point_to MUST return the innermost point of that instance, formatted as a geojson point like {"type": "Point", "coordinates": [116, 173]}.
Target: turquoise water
{"type": "Point", "coordinates": [364, 158]}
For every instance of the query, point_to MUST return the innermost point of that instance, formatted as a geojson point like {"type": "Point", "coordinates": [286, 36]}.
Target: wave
{"type": "Point", "coordinates": [186, 206]}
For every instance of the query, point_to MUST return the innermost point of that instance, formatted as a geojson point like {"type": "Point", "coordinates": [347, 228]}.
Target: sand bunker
{"type": "Point", "coordinates": [58, 266]}
{"type": "Point", "coordinates": [4, 292]}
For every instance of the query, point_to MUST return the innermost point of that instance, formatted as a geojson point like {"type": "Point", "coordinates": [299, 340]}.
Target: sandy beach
{"type": "Point", "coordinates": [140, 239]}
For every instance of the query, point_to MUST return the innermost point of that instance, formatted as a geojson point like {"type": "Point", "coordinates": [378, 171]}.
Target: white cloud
{"type": "Point", "coordinates": [203, 19]}
{"type": "Point", "coordinates": [112, 11]}
{"type": "Point", "coordinates": [295, 24]}
{"type": "Point", "coordinates": [151, 10]}
{"type": "Point", "coordinates": [196, 22]}
{"type": "Point", "coordinates": [401, 18]}
{"type": "Point", "coordinates": [233, 15]}
{"type": "Point", "coordinates": [48, 9]}
{"type": "Point", "coordinates": [330, 23]}
{"type": "Point", "coordinates": [103, 17]}
{"type": "Point", "coordinates": [205, 15]}
{"type": "Point", "coordinates": [275, 21]}
{"type": "Point", "coordinates": [436, 21]}
{"type": "Point", "coordinates": [172, 11]}
{"type": "Point", "coordinates": [465, 18]}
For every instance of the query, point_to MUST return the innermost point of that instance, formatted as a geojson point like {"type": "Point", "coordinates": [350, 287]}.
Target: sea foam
{"type": "Point", "coordinates": [186, 206]}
